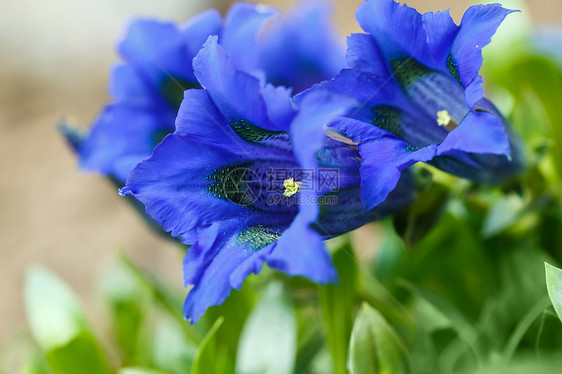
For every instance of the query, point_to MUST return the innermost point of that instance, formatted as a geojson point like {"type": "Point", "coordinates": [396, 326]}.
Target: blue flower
{"type": "Point", "coordinates": [417, 79]}
{"type": "Point", "coordinates": [147, 87]}
{"type": "Point", "coordinates": [248, 180]}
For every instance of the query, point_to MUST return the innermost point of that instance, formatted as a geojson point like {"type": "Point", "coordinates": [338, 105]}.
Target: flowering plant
{"type": "Point", "coordinates": [253, 141]}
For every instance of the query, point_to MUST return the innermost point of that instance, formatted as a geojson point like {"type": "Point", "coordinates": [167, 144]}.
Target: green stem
{"type": "Point", "coordinates": [523, 326]}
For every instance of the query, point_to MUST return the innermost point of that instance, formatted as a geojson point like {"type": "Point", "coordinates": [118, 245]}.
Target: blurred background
{"type": "Point", "coordinates": [54, 64]}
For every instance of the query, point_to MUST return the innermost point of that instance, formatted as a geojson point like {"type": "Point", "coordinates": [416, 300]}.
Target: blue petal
{"type": "Point", "coordinates": [345, 211]}
{"type": "Point", "coordinates": [236, 94]}
{"type": "Point", "coordinates": [188, 184]}
{"type": "Point", "coordinates": [383, 103]}
{"type": "Point", "coordinates": [366, 89]}
{"type": "Point", "coordinates": [279, 105]}
{"type": "Point", "coordinates": [128, 84]}
{"type": "Point", "coordinates": [144, 38]}
{"type": "Point", "coordinates": [158, 48]}
{"type": "Point", "coordinates": [399, 29]}
{"type": "Point", "coordinates": [196, 31]}
{"type": "Point", "coordinates": [239, 37]}
{"type": "Point", "coordinates": [199, 118]}
{"type": "Point", "coordinates": [173, 186]}
{"type": "Point", "coordinates": [214, 284]}
{"type": "Point", "coordinates": [384, 159]}
{"type": "Point", "coordinates": [301, 48]}
{"type": "Point", "coordinates": [363, 55]}
{"type": "Point", "coordinates": [478, 25]}
{"type": "Point", "coordinates": [316, 110]}
{"type": "Point", "coordinates": [120, 137]}
{"type": "Point", "coordinates": [479, 132]}
{"type": "Point", "coordinates": [301, 250]}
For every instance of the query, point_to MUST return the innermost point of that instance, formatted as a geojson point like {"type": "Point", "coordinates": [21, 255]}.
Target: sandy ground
{"type": "Point", "coordinates": [49, 212]}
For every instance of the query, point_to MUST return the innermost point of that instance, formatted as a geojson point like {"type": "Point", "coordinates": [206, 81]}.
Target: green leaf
{"type": "Point", "coordinates": [504, 214]}
{"type": "Point", "coordinates": [554, 287]}
{"type": "Point", "coordinates": [139, 370]}
{"type": "Point", "coordinates": [81, 355]}
{"type": "Point", "coordinates": [53, 311]}
{"type": "Point", "coordinates": [127, 306]}
{"type": "Point", "coordinates": [269, 338]}
{"type": "Point", "coordinates": [435, 313]}
{"type": "Point", "coordinates": [171, 350]}
{"type": "Point", "coordinates": [207, 353]}
{"type": "Point", "coordinates": [162, 294]}
{"type": "Point", "coordinates": [59, 326]}
{"type": "Point", "coordinates": [374, 346]}
{"type": "Point", "coordinates": [34, 364]}
{"type": "Point", "coordinates": [337, 307]}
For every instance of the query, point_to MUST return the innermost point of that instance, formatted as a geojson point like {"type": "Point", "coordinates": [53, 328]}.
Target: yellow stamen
{"type": "Point", "coordinates": [291, 187]}
{"type": "Point", "coordinates": [443, 118]}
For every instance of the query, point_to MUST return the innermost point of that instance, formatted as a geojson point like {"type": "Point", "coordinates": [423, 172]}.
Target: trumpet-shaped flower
{"type": "Point", "coordinates": [147, 87]}
{"type": "Point", "coordinates": [248, 180]}
{"type": "Point", "coordinates": [417, 80]}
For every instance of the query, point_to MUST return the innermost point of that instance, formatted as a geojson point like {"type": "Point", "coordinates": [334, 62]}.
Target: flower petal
{"type": "Point", "coordinates": [399, 29]}
{"type": "Point", "coordinates": [113, 149]}
{"type": "Point", "coordinates": [197, 29]}
{"type": "Point", "coordinates": [478, 25]}
{"type": "Point", "coordinates": [236, 94]}
{"type": "Point", "coordinates": [301, 48]}
{"type": "Point", "coordinates": [479, 132]}
{"type": "Point", "coordinates": [242, 24]}
{"type": "Point", "coordinates": [213, 283]}
{"type": "Point", "coordinates": [173, 186]}
{"type": "Point", "coordinates": [301, 250]}
{"type": "Point", "coordinates": [384, 159]}
{"type": "Point", "coordinates": [363, 55]}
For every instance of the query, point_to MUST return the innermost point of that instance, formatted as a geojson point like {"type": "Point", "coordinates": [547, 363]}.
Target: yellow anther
{"type": "Point", "coordinates": [291, 187]}
{"type": "Point", "coordinates": [443, 118]}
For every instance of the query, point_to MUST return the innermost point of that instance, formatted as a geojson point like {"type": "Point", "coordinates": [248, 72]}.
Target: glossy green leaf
{"type": "Point", "coordinates": [139, 370]}
{"type": "Point", "coordinates": [59, 326]}
{"type": "Point", "coordinates": [81, 354]}
{"type": "Point", "coordinates": [374, 346]}
{"type": "Point", "coordinates": [53, 311]}
{"type": "Point", "coordinates": [269, 338]}
{"type": "Point", "coordinates": [554, 287]}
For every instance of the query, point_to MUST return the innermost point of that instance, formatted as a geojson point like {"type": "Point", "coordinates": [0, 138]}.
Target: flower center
{"type": "Point", "coordinates": [444, 119]}
{"type": "Point", "coordinates": [291, 187]}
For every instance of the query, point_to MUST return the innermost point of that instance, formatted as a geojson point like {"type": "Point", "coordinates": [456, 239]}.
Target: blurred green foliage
{"type": "Point", "coordinates": [454, 285]}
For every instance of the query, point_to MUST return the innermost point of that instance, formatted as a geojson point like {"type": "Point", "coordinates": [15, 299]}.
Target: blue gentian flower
{"type": "Point", "coordinates": [147, 87]}
{"type": "Point", "coordinates": [248, 180]}
{"type": "Point", "coordinates": [421, 97]}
